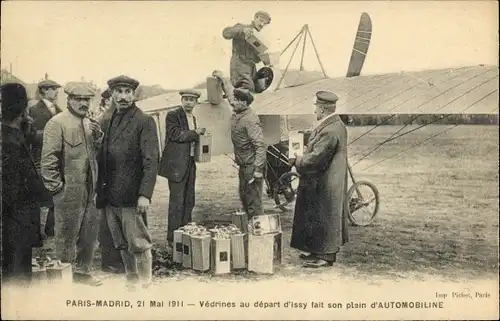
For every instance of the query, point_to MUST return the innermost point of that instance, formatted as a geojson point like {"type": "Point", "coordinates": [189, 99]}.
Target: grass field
{"type": "Point", "coordinates": [438, 214]}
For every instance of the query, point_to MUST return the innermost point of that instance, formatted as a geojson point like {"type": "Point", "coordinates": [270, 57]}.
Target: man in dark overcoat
{"type": "Point", "coordinates": [128, 165]}
{"type": "Point", "coordinates": [178, 162]}
{"type": "Point", "coordinates": [244, 56]}
{"type": "Point", "coordinates": [320, 221]}
{"type": "Point", "coordinates": [21, 189]}
{"type": "Point", "coordinates": [42, 112]}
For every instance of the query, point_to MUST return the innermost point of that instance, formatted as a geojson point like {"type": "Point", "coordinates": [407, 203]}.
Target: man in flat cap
{"type": "Point", "coordinates": [177, 162]}
{"type": "Point", "coordinates": [21, 189]}
{"type": "Point", "coordinates": [249, 146]}
{"type": "Point", "coordinates": [245, 57]}
{"type": "Point", "coordinates": [320, 220]}
{"type": "Point", "coordinates": [105, 103]}
{"type": "Point", "coordinates": [128, 166]}
{"type": "Point", "coordinates": [41, 112]}
{"type": "Point", "coordinates": [69, 171]}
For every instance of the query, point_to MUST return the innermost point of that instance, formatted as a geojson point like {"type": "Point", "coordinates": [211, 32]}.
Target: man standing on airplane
{"type": "Point", "coordinates": [42, 112]}
{"type": "Point", "coordinates": [177, 162]}
{"type": "Point", "coordinates": [128, 165]}
{"type": "Point", "coordinates": [244, 56]}
{"type": "Point", "coordinates": [320, 220]}
{"type": "Point", "coordinates": [249, 147]}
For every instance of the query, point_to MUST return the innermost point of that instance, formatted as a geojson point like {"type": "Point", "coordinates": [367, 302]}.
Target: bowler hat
{"type": "Point", "coordinates": [106, 94]}
{"type": "Point", "coordinates": [14, 100]}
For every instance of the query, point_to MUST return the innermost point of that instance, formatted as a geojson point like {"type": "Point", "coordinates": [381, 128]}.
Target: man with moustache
{"type": "Point", "coordinates": [69, 171]}
{"type": "Point", "coordinates": [128, 165]}
{"type": "Point", "coordinates": [178, 164]}
{"type": "Point", "coordinates": [21, 189]}
{"type": "Point", "coordinates": [249, 147]}
{"type": "Point", "coordinates": [41, 112]}
{"type": "Point", "coordinates": [320, 220]}
{"type": "Point", "coordinates": [244, 56]}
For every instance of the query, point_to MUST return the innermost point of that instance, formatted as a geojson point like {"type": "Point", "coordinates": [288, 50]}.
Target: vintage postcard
{"type": "Point", "coordinates": [242, 160]}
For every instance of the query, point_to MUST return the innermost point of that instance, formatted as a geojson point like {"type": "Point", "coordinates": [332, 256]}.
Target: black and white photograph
{"type": "Point", "coordinates": [249, 160]}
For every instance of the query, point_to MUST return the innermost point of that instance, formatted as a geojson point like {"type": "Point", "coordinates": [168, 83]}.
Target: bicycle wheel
{"type": "Point", "coordinates": [364, 202]}
{"type": "Point", "coordinates": [286, 190]}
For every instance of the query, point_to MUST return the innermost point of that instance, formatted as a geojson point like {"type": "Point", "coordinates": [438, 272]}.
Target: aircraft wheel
{"type": "Point", "coordinates": [286, 190]}
{"type": "Point", "coordinates": [364, 203]}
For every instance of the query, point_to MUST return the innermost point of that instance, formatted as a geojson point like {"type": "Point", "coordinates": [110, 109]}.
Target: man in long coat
{"type": "Point", "coordinates": [21, 189]}
{"type": "Point", "coordinates": [42, 112]}
{"type": "Point", "coordinates": [320, 221]}
{"type": "Point", "coordinates": [178, 163]}
{"type": "Point", "coordinates": [69, 171]}
{"type": "Point", "coordinates": [244, 56]}
{"type": "Point", "coordinates": [128, 165]}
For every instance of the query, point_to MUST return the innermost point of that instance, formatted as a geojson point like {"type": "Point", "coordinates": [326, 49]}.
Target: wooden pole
{"type": "Point", "coordinates": [317, 54]}
{"type": "Point", "coordinates": [306, 27]}
{"type": "Point", "coordinates": [291, 42]}
{"type": "Point", "coordinates": [302, 33]}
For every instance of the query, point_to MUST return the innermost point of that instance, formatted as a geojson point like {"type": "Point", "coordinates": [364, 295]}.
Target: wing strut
{"type": "Point", "coordinates": [304, 32]}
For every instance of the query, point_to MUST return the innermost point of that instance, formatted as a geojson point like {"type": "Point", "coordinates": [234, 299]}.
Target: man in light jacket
{"type": "Point", "coordinates": [69, 172]}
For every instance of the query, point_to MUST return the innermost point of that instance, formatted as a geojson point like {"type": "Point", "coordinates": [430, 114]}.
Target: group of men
{"type": "Point", "coordinates": [97, 176]}
{"type": "Point", "coordinates": [89, 168]}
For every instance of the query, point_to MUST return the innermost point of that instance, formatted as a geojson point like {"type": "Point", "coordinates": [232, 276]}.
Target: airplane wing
{"type": "Point", "coordinates": [464, 90]}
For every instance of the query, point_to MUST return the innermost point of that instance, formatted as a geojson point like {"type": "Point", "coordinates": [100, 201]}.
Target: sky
{"type": "Point", "coordinates": [178, 44]}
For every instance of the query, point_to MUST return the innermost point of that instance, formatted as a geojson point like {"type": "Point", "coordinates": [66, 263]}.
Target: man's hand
{"type": "Point", "coordinates": [218, 74]}
{"type": "Point", "coordinates": [256, 175]}
{"type": "Point", "coordinates": [201, 131]}
{"type": "Point", "coordinates": [143, 204]}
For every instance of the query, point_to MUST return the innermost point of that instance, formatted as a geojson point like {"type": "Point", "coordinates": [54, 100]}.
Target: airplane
{"type": "Point", "coordinates": [285, 97]}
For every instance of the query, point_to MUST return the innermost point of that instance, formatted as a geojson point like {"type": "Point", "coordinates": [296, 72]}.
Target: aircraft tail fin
{"type": "Point", "coordinates": [361, 44]}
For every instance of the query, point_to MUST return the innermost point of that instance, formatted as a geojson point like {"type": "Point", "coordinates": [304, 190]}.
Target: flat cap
{"type": "Point", "coordinates": [47, 83]}
{"type": "Point", "coordinates": [190, 92]}
{"type": "Point", "coordinates": [243, 95]}
{"type": "Point", "coordinates": [106, 94]}
{"type": "Point", "coordinates": [263, 14]}
{"type": "Point", "coordinates": [123, 81]}
{"type": "Point", "coordinates": [14, 100]}
{"type": "Point", "coordinates": [79, 89]}
{"type": "Point", "coordinates": [326, 97]}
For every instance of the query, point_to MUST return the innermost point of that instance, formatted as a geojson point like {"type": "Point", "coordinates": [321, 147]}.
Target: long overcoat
{"type": "Point", "coordinates": [320, 221]}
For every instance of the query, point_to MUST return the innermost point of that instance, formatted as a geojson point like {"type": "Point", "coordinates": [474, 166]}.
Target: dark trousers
{"type": "Point", "coordinates": [250, 193]}
{"type": "Point", "coordinates": [181, 201]}
{"type": "Point", "coordinates": [16, 263]}
{"type": "Point", "coordinates": [49, 222]}
{"type": "Point", "coordinates": [110, 256]}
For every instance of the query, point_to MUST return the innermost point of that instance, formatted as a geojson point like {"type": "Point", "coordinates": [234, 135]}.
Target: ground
{"type": "Point", "coordinates": [438, 213]}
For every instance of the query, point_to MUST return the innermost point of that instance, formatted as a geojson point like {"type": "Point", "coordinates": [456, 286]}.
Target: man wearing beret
{"type": "Point", "coordinates": [69, 171]}
{"type": "Point", "coordinates": [177, 162]}
{"type": "Point", "coordinates": [320, 220]}
{"type": "Point", "coordinates": [41, 112]}
{"type": "Point", "coordinates": [128, 166]}
{"type": "Point", "coordinates": [244, 56]}
{"type": "Point", "coordinates": [21, 189]}
{"type": "Point", "coordinates": [249, 146]}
